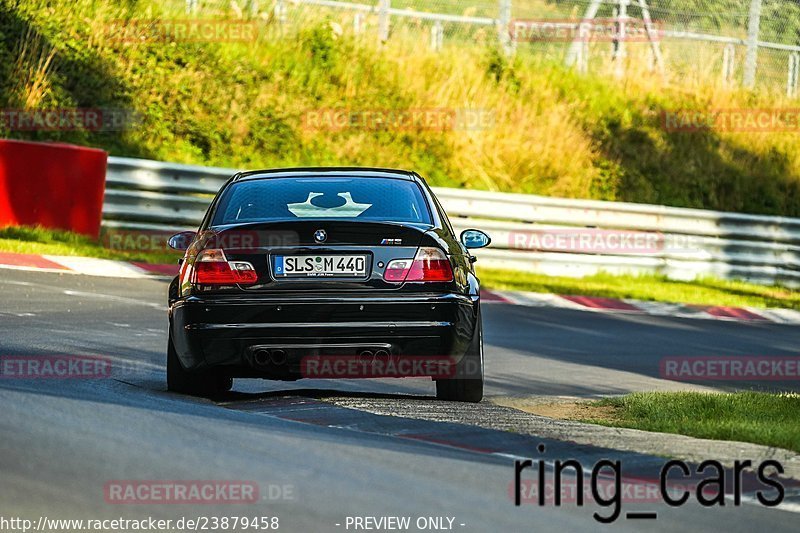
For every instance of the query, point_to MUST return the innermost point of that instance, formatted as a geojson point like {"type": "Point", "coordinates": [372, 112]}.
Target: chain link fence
{"type": "Point", "coordinates": [752, 43]}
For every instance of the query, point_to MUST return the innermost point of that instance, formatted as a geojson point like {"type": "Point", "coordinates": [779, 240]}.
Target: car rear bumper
{"type": "Point", "coordinates": [225, 331]}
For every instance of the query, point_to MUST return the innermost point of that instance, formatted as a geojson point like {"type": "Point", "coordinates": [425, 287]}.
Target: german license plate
{"type": "Point", "coordinates": [326, 266]}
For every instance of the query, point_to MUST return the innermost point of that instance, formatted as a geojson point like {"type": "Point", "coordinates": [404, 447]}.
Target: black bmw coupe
{"type": "Point", "coordinates": [326, 272]}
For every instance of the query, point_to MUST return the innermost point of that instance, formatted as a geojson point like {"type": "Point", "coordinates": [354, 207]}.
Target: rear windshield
{"type": "Point", "coordinates": [377, 199]}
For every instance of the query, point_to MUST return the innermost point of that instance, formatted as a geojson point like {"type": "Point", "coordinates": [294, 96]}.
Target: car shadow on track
{"type": "Point", "coordinates": [317, 394]}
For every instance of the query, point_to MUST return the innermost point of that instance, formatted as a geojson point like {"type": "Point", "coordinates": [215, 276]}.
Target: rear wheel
{"type": "Point", "coordinates": [193, 383]}
{"type": "Point", "coordinates": [467, 386]}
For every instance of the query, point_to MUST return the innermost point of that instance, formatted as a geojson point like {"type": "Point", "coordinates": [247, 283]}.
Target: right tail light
{"type": "Point", "coordinates": [430, 264]}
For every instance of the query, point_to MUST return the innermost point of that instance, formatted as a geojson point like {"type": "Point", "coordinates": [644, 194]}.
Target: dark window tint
{"type": "Point", "coordinates": [385, 199]}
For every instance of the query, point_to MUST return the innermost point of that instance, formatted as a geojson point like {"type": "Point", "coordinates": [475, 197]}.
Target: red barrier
{"type": "Point", "coordinates": [57, 186]}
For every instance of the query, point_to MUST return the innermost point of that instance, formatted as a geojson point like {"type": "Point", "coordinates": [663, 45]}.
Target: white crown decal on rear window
{"type": "Point", "coordinates": [307, 209]}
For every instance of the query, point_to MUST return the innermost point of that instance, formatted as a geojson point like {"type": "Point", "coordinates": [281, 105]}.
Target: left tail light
{"type": "Point", "coordinates": [211, 267]}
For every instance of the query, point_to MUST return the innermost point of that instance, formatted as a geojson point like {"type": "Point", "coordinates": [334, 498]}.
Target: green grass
{"type": "Point", "coordinates": [705, 291]}
{"type": "Point", "coordinates": [37, 240]}
{"type": "Point", "coordinates": [760, 418]}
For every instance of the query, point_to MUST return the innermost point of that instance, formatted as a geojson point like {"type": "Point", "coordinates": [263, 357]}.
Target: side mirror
{"type": "Point", "coordinates": [475, 238]}
{"type": "Point", "coordinates": [182, 240]}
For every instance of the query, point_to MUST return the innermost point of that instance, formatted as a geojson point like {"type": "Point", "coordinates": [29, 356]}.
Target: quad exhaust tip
{"type": "Point", "coordinates": [277, 357]}
{"type": "Point", "coordinates": [380, 353]}
{"type": "Point", "coordinates": [261, 357]}
{"type": "Point", "coordinates": [264, 357]}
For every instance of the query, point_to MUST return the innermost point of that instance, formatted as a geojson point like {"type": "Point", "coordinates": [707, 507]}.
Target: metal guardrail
{"type": "Point", "coordinates": [529, 233]}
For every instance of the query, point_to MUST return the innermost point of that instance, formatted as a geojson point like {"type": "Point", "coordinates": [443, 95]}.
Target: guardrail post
{"type": "Point", "coordinates": [383, 20]}
{"type": "Point", "coordinates": [792, 78]}
{"type": "Point", "coordinates": [582, 63]}
{"type": "Point", "coordinates": [751, 59]}
{"type": "Point", "coordinates": [728, 63]}
{"type": "Point", "coordinates": [191, 6]}
{"type": "Point", "coordinates": [437, 36]}
{"type": "Point", "coordinates": [358, 23]}
{"type": "Point", "coordinates": [504, 27]}
{"type": "Point", "coordinates": [618, 55]}
{"type": "Point", "coordinates": [252, 7]}
{"type": "Point", "coordinates": [280, 11]}
{"type": "Point", "coordinates": [577, 43]}
{"type": "Point", "coordinates": [653, 35]}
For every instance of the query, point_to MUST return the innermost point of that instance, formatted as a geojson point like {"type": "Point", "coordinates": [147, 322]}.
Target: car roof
{"type": "Point", "coordinates": [319, 172]}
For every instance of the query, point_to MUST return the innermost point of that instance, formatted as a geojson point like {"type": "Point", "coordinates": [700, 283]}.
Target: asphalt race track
{"type": "Point", "coordinates": [316, 456]}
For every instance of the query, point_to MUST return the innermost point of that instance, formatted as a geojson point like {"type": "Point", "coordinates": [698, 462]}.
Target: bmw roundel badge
{"type": "Point", "coordinates": [320, 235]}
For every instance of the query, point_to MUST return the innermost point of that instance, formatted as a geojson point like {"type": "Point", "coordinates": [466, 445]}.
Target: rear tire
{"type": "Point", "coordinates": [192, 383]}
{"type": "Point", "coordinates": [468, 387]}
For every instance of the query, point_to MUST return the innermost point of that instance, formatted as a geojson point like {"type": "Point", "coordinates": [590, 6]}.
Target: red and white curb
{"type": "Point", "coordinates": [89, 266]}
{"type": "Point", "coordinates": [630, 306]}
{"type": "Point", "coordinates": [120, 269]}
